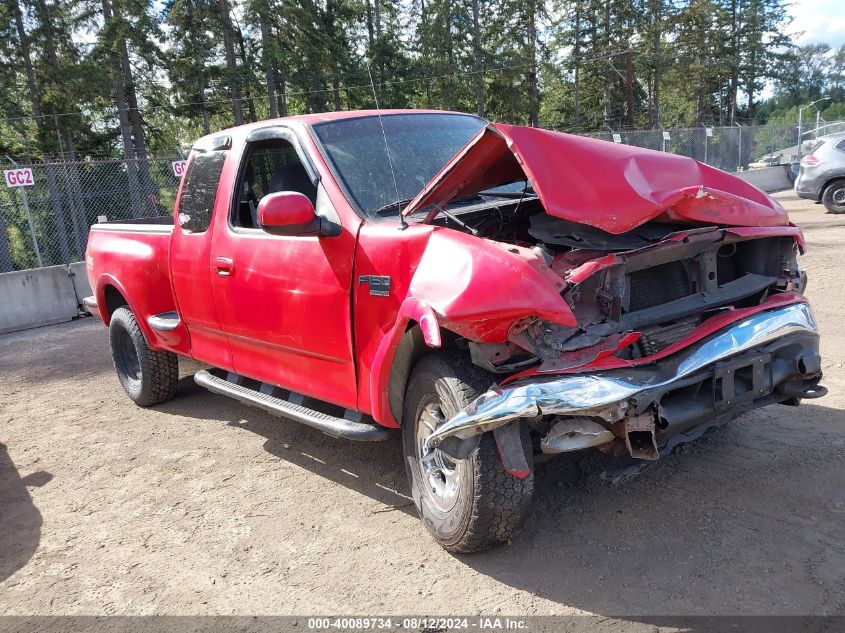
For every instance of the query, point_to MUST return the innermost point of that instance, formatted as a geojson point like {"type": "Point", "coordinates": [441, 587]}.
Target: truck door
{"type": "Point", "coordinates": [284, 301]}
{"type": "Point", "coordinates": [190, 249]}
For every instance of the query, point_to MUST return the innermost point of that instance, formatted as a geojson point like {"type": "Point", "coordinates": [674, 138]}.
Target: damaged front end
{"type": "Point", "coordinates": [682, 291]}
{"type": "Point", "coordinates": [769, 356]}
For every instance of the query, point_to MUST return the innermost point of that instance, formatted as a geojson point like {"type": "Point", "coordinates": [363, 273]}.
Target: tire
{"type": "Point", "coordinates": [147, 377]}
{"type": "Point", "coordinates": [833, 197]}
{"type": "Point", "coordinates": [473, 504]}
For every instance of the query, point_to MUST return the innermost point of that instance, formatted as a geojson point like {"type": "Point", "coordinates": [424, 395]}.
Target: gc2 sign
{"type": "Point", "coordinates": [179, 167]}
{"type": "Point", "coordinates": [19, 177]}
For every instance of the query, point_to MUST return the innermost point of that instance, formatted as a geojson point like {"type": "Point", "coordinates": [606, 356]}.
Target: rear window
{"type": "Point", "coordinates": [840, 145]}
{"type": "Point", "coordinates": [199, 191]}
{"type": "Point", "coordinates": [815, 146]}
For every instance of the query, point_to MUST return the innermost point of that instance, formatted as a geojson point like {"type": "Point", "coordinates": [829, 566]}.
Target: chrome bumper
{"type": "Point", "coordinates": [606, 394]}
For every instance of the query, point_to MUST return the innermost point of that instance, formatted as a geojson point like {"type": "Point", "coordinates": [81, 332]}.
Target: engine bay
{"type": "Point", "coordinates": [633, 294]}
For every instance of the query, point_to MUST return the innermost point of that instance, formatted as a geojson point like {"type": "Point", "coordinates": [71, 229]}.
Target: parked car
{"type": "Point", "coordinates": [821, 176]}
{"type": "Point", "coordinates": [491, 292]}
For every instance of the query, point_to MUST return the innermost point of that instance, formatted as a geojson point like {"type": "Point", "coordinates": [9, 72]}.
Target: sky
{"type": "Point", "coordinates": [820, 21]}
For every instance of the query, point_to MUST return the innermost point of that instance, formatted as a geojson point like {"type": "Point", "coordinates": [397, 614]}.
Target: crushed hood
{"type": "Point", "coordinates": [605, 185]}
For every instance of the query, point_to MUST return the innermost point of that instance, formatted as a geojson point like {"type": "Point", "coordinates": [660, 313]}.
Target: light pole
{"type": "Point", "coordinates": [801, 122]}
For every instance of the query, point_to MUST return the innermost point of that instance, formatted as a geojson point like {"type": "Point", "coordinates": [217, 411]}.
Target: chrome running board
{"type": "Point", "coordinates": [263, 399]}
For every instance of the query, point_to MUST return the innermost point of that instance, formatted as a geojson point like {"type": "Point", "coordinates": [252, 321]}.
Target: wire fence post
{"type": "Point", "coordinates": [31, 227]}
{"type": "Point", "coordinates": [28, 217]}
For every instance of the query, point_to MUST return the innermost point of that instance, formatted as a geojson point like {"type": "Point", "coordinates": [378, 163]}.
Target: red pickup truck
{"type": "Point", "coordinates": [498, 293]}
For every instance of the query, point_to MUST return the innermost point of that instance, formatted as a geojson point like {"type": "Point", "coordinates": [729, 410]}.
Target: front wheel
{"type": "Point", "coordinates": [833, 197]}
{"type": "Point", "coordinates": [467, 505]}
{"type": "Point", "coordinates": [147, 376]}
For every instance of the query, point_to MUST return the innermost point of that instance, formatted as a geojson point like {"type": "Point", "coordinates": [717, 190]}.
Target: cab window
{"type": "Point", "coordinates": [196, 202]}
{"type": "Point", "coordinates": [270, 166]}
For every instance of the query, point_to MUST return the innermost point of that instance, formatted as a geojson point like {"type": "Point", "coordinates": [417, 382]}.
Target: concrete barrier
{"type": "Point", "coordinates": [80, 281]}
{"type": "Point", "coordinates": [769, 178]}
{"type": "Point", "coordinates": [32, 298]}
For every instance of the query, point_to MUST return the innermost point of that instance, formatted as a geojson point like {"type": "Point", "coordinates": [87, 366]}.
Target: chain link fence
{"type": "Point", "coordinates": [47, 223]}
{"type": "Point", "coordinates": [729, 148]}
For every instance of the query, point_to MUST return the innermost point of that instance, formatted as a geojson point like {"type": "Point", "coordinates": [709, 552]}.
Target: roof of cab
{"type": "Point", "coordinates": [313, 119]}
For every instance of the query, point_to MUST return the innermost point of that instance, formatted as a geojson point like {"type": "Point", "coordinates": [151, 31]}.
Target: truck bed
{"type": "Point", "coordinates": [128, 263]}
{"type": "Point", "coordinates": [136, 223]}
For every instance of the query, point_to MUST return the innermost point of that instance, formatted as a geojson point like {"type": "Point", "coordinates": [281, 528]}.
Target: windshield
{"type": "Point", "coordinates": [420, 144]}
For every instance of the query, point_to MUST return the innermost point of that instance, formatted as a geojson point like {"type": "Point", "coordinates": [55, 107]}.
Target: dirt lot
{"type": "Point", "coordinates": [205, 506]}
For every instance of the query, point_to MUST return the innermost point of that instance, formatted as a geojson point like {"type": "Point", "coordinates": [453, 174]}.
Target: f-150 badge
{"type": "Point", "coordinates": [379, 284]}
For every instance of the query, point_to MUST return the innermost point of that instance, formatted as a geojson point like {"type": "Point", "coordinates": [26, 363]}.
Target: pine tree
{"type": "Point", "coordinates": [190, 23]}
{"type": "Point", "coordinates": [763, 40]}
{"type": "Point", "coordinates": [232, 72]}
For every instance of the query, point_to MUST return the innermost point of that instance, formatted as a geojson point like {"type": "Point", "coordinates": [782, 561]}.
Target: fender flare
{"type": "Point", "coordinates": [105, 279]}
{"type": "Point", "coordinates": [412, 309]}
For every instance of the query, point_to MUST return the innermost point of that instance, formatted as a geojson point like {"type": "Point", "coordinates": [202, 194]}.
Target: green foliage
{"type": "Point", "coordinates": [557, 63]}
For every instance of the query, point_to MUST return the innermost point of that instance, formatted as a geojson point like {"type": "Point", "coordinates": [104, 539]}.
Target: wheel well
{"type": "Point", "coordinates": [114, 299]}
{"type": "Point", "coordinates": [830, 182]}
{"type": "Point", "coordinates": [411, 348]}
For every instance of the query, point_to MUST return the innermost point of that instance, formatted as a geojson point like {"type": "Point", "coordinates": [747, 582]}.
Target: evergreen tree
{"type": "Point", "coordinates": [156, 76]}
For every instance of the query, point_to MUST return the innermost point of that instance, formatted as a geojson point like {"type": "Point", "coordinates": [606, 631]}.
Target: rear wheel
{"type": "Point", "coordinates": [467, 505]}
{"type": "Point", "coordinates": [833, 197]}
{"type": "Point", "coordinates": [147, 376]}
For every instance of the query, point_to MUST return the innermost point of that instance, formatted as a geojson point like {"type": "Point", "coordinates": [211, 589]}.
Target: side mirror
{"type": "Point", "coordinates": [288, 213]}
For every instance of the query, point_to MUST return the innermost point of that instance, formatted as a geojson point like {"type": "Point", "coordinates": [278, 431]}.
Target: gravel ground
{"type": "Point", "coordinates": [204, 506]}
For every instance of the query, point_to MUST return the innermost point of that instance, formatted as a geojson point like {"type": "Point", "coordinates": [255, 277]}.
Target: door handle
{"type": "Point", "coordinates": [224, 266]}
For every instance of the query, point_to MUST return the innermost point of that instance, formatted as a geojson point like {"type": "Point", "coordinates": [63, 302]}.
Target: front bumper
{"type": "Point", "coordinates": [767, 357]}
